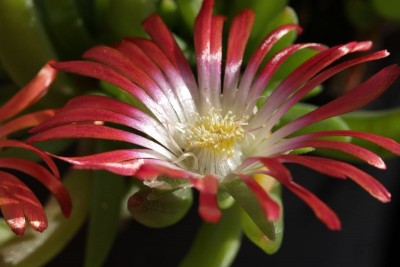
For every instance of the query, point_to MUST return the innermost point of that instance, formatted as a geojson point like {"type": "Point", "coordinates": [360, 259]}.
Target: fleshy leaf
{"type": "Point", "coordinates": [216, 245]}
{"type": "Point", "coordinates": [159, 208]}
{"type": "Point", "coordinates": [107, 194]}
{"type": "Point", "coordinates": [249, 203]}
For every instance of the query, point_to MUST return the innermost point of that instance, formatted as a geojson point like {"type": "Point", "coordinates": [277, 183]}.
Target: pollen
{"type": "Point", "coordinates": [215, 132]}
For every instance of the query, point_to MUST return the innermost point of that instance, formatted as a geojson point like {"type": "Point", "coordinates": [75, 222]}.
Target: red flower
{"type": "Point", "coordinates": [209, 130]}
{"type": "Point", "coordinates": [17, 202]}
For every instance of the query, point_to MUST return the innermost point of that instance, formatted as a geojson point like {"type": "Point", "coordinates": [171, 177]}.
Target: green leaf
{"type": "Point", "coordinates": [385, 123]}
{"type": "Point", "coordinates": [189, 10]}
{"type": "Point", "coordinates": [389, 9]}
{"type": "Point", "coordinates": [25, 46]}
{"type": "Point", "coordinates": [159, 208]}
{"type": "Point", "coordinates": [251, 229]}
{"type": "Point", "coordinates": [216, 245]}
{"type": "Point", "coordinates": [35, 249]}
{"type": "Point", "coordinates": [123, 18]}
{"type": "Point", "coordinates": [66, 27]}
{"type": "Point", "coordinates": [245, 198]}
{"type": "Point", "coordinates": [107, 194]}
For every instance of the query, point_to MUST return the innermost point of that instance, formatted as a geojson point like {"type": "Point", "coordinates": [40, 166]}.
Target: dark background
{"type": "Point", "coordinates": [369, 228]}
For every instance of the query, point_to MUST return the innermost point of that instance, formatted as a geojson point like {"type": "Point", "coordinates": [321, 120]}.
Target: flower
{"type": "Point", "coordinates": [17, 202]}
{"type": "Point", "coordinates": [209, 130]}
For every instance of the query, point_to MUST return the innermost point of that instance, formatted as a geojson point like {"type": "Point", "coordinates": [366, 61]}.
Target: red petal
{"type": "Point", "coordinates": [25, 121]}
{"type": "Point", "coordinates": [98, 132]}
{"type": "Point", "coordinates": [341, 169]}
{"type": "Point", "coordinates": [239, 34]}
{"type": "Point", "coordinates": [208, 203]}
{"type": "Point", "coordinates": [321, 210]}
{"type": "Point", "coordinates": [356, 98]}
{"type": "Point", "coordinates": [269, 206]}
{"type": "Point", "coordinates": [28, 95]}
{"type": "Point", "coordinates": [99, 71]}
{"type": "Point", "coordinates": [43, 176]}
{"type": "Point", "coordinates": [160, 34]}
{"type": "Point", "coordinates": [41, 154]}
{"type": "Point", "coordinates": [12, 211]}
{"type": "Point", "coordinates": [30, 205]}
{"type": "Point", "coordinates": [351, 149]}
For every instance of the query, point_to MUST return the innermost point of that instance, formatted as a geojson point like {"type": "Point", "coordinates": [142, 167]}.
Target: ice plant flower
{"type": "Point", "coordinates": [17, 202]}
{"type": "Point", "coordinates": [208, 129]}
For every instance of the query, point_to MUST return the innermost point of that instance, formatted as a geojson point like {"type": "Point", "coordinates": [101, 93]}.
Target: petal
{"type": "Point", "coordinates": [356, 98]}
{"type": "Point", "coordinates": [239, 34]}
{"type": "Point", "coordinates": [28, 202]}
{"type": "Point", "coordinates": [12, 211]}
{"type": "Point", "coordinates": [31, 93]}
{"type": "Point", "coordinates": [123, 162]}
{"type": "Point", "coordinates": [25, 121]}
{"type": "Point", "coordinates": [321, 210]}
{"type": "Point", "coordinates": [271, 209]}
{"type": "Point", "coordinates": [300, 75]}
{"type": "Point", "coordinates": [160, 34]}
{"type": "Point", "coordinates": [41, 154]}
{"type": "Point", "coordinates": [119, 62]}
{"type": "Point", "coordinates": [318, 79]}
{"type": "Point", "coordinates": [341, 169]}
{"type": "Point", "coordinates": [99, 71]}
{"type": "Point", "coordinates": [41, 174]}
{"type": "Point", "coordinates": [258, 57]}
{"type": "Point", "coordinates": [351, 149]}
{"type": "Point", "coordinates": [208, 203]}
{"type": "Point", "coordinates": [98, 132]}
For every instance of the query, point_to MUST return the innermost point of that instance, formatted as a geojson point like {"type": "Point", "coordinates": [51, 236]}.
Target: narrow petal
{"type": "Point", "coordinates": [164, 39]}
{"type": "Point", "coordinates": [99, 71]}
{"type": "Point", "coordinates": [340, 169]}
{"type": "Point", "coordinates": [271, 209]}
{"type": "Point", "coordinates": [119, 62]}
{"type": "Point", "coordinates": [31, 93]}
{"type": "Point", "coordinates": [300, 75]}
{"type": "Point", "coordinates": [12, 211]}
{"type": "Point", "coordinates": [348, 148]}
{"type": "Point", "coordinates": [271, 67]}
{"type": "Point", "coordinates": [18, 144]}
{"type": "Point", "coordinates": [215, 61]}
{"type": "Point", "coordinates": [202, 36]}
{"type": "Point", "coordinates": [356, 98]}
{"type": "Point", "coordinates": [172, 74]}
{"type": "Point", "coordinates": [208, 203]}
{"type": "Point", "coordinates": [30, 205]}
{"type": "Point", "coordinates": [258, 57]}
{"type": "Point", "coordinates": [239, 34]}
{"type": "Point", "coordinates": [41, 174]}
{"type": "Point", "coordinates": [321, 210]}
{"type": "Point", "coordinates": [123, 162]}
{"type": "Point", "coordinates": [98, 132]}
{"type": "Point", "coordinates": [25, 121]}
{"type": "Point", "coordinates": [317, 80]}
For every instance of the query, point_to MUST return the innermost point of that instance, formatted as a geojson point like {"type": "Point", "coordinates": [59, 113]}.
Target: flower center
{"type": "Point", "coordinates": [216, 133]}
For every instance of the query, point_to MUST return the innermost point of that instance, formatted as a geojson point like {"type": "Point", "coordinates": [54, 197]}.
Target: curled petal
{"type": "Point", "coordinates": [27, 201]}
{"type": "Point", "coordinates": [340, 169]}
{"type": "Point", "coordinates": [41, 174]}
{"type": "Point", "coordinates": [31, 93]}
{"type": "Point", "coordinates": [12, 211]}
{"type": "Point", "coordinates": [321, 210]}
